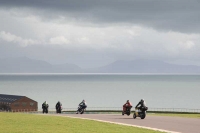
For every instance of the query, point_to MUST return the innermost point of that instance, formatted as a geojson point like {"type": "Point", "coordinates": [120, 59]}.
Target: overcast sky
{"type": "Point", "coordinates": [92, 33]}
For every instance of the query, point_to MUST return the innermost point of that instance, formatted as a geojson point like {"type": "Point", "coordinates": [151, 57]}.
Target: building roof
{"type": "Point", "coordinates": [9, 98]}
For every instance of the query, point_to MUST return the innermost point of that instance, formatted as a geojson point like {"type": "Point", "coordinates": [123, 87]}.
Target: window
{"type": "Point", "coordinates": [16, 104]}
{"type": "Point", "coordinates": [23, 104]}
{"type": "Point", "coordinates": [31, 103]}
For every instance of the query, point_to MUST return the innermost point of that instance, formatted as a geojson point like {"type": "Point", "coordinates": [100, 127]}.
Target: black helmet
{"type": "Point", "coordinates": [142, 100]}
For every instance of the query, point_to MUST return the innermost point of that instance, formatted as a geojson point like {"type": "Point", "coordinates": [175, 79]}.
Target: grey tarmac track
{"type": "Point", "coordinates": [176, 124]}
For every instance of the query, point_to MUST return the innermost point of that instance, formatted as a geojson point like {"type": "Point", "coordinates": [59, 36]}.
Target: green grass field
{"type": "Point", "coordinates": [28, 123]}
{"type": "Point", "coordinates": [177, 115]}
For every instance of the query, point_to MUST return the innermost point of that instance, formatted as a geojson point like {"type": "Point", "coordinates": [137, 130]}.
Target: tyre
{"type": "Point", "coordinates": [128, 113]}
{"type": "Point", "coordinates": [143, 115]}
{"type": "Point", "coordinates": [82, 111]}
{"type": "Point", "coordinates": [58, 111]}
{"type": "Point", "coordinates": [122, 113]}
{"type": "Point", "coordinates": [134, 116]}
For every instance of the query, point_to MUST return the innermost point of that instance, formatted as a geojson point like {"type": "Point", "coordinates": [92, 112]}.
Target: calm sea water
{"type": "Point", "coordinates": [108, 90]}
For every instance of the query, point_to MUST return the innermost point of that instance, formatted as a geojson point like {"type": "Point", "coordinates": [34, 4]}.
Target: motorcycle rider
{"type": "Point", "coordinates": [142, 104]}
{"type": "Point", "coordinates": [127, 105]}
{"type": "Point", "coordinates": [58, 105]}
{"type": "Point", "coordinates": [45, 106]}
{"type": "Point", "coordinates": [82, 105]}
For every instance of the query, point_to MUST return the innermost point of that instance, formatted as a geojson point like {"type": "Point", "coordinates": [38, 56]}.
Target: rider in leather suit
{"type": "Point", "coordinates": [141, 103]}
{"type": "Point", "coordinates": [127, 105]}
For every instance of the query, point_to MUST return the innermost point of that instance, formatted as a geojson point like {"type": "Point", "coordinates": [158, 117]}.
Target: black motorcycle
{"type": "Point", "coordinates": [127, 111]}
{"type": "Point", "coordinates": [81, 109]}
{"type": "Point", "coordinates": [45, 108]}
{"type": "Point", "coordinates": [140, 112]}
{"type": "Point", "coordinates": [59, 109]}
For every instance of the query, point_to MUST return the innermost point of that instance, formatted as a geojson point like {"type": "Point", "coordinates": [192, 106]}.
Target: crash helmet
{"type": "Point", "coordinates": [83, 101]}
{"type": "Point", "coordinates": [127, 101]}
{"type": "Point", "coordinates": [142, 100]}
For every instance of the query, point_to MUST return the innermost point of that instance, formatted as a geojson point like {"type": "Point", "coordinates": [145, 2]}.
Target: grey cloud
{"type": "Point", "coordinates": [175, 15]}
{"type": "Point", "coordinates": [21, 19]}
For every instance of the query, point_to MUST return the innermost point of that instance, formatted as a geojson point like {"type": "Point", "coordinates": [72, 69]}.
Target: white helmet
{"type": "Point", "coordinates": [142, 100]}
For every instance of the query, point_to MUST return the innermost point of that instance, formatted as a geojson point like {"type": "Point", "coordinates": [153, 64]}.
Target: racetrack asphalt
{"type": "Point", "coordinates": [176, 124]}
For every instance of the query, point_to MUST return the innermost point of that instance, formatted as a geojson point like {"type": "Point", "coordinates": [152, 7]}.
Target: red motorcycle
{"type": "Point", "coordinates": [127, 111]}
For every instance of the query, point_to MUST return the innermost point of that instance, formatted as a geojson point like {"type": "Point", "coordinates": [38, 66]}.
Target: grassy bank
{"type": "Point", "coordinates": [27, 123]}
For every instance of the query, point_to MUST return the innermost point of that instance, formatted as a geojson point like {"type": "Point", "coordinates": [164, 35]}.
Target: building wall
{"type": "Point", "coordinates": [24, 104]}
{"type": "Point", "coordinates": [4, 106]}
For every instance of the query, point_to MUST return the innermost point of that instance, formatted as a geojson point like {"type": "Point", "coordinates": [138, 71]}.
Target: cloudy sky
{"type": "Point", "coordinates": [92, 33]}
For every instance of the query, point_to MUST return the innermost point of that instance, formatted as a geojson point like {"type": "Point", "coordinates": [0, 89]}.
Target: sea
{"type": "Point", "coordinates": [106, 90]}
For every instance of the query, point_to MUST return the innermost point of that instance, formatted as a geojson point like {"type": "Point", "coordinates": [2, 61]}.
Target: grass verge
{"type": "Point", "coordinates": [28, 123]}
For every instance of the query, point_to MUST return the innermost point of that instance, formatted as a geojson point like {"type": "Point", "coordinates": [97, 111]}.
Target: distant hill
{"type": "Point", "coordinates": [147, 66]}
{"type": "Point", "coordinates": [67, 68]}
{"type": "Point", "coordinates": [26, 65]}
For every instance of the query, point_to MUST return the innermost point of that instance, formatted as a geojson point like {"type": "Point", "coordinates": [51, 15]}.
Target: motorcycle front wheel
{"type": "Point", "coordinates": [82, 111]}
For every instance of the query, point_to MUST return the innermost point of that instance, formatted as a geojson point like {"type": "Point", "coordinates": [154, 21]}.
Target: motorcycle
{"type": "Point", "coordinates": [45, 109]}
{"type": "Point", "coordinates": [59, 109]}
{"type": "Point", "coordinates": [81, 110]}
{"type": "Point", "coordinates": [140, 112]}
{"type": "Point", "coordinates": [127, 111]}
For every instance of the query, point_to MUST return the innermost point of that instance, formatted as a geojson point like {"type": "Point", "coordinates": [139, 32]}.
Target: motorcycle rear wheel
{"type": "Point", "coordinates": [143, 115]}
{"type": "Point", "coordinates": [134, 116]}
